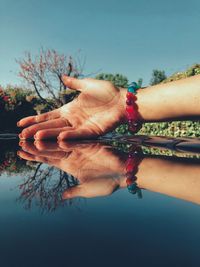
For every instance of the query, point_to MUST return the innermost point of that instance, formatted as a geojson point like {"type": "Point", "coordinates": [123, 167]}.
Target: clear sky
{"type": "Point", "coordinates": [129, 37]}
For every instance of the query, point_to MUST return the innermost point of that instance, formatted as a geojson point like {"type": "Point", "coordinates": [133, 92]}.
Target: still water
{"type": "Point", "coordinates": [68, 205]}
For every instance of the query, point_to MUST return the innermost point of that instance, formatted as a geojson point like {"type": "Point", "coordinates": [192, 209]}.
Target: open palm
{"type": "Point", "coordinates": [98, 109]}
{"type": "Point", "coordinates": [99, 168]}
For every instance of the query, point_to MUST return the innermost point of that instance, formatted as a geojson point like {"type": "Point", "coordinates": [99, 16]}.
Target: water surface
{"type": "Point", "coordinates": [108, 226]}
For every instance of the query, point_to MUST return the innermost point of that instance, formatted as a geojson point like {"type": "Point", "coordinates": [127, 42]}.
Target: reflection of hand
{"type": "Point", "coordinates": [98, 109]}
{"type": "Point", "coordinates": [99, 169]}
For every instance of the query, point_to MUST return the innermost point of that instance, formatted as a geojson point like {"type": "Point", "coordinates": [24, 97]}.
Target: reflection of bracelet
{"type": "Point", "coordinates": [132, 108]}
{"type": "Point", "coordinates": [131, 169]}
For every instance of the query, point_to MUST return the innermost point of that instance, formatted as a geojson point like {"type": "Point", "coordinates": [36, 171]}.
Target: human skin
{"type": "Point", "coordinates": [100, 108]}
{"type": "Point", "coordinates": [100, 169]}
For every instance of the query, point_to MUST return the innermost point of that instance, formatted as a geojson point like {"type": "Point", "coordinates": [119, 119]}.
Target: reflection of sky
{"type": "Point", "coordinates": [130, 37]}
{"type": "Point", "coordinates": [106, 228]}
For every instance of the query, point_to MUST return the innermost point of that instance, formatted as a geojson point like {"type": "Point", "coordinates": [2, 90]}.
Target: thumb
{"type": "Point", "coordinates": [73, 83]}
{"type": "Point", "coordinates": [81, 133]}
{"type": "Point", "coordinates": [75, 191]}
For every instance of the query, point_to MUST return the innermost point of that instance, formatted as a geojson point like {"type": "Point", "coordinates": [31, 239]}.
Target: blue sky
{"type": "Point", "coordinates": [128, 37]}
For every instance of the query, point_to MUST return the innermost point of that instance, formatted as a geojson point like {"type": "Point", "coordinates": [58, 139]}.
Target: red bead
{"type": "Point", "coordinates": [130, 161]}
{"type": "Point", "coordinates": [132, 117]}
{"type": "Point", "coordinates": [132, 129]}
{"type": "Point", "coordinates": [135, 171]}
{"type": "Point", "coordinates": [131, 164]}
{"type": "Point", "coordinates": [131, 96]}
{"type": "Point", "coordinates": [129, 175]}
{"type": "Point", "coordinates": [130, 109]}
{"type": "Point", "coordinates": [130, 121]}
{"type": "Point", "coordinates": [129, 181]}
{"type": "Point", "coordinates": [129, 167]}
{"type": "Point", "coordinates": [135, 106]}
{"type": "Point", "coordinates": [129, 102]}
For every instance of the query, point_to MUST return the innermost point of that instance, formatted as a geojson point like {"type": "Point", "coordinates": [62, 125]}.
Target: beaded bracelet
{"type": "Point", "coordinates": [131, 109]}
{"type": "Point", "coordinates": [132, 164]}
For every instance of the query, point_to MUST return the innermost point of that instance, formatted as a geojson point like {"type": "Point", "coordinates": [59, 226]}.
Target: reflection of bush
{"type": "Point", "coordinates": [126, 146]}
{"type": "Point", "coordinates": [10, 163]}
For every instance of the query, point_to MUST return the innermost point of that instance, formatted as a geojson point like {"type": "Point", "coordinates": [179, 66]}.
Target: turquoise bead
{"type": "Point", "coordinates": [132, 89]}
{"type": "Point", "coordinates": [132, 188]}
{"type": "Point", "coordinates": [134, 84]}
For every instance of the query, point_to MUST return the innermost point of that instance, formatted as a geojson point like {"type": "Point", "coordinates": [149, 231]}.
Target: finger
{"type": "Point", "coordinates": [47, 145]}
{"type": "Point", "coordinates": [27, 146]}
{"type": "Point", "coordinates": [53, 155]}
{"type": "Point", "coordinates": [73, 83]}
{"type": "Point", "coordinates": [76, 134]}
{"type": "Point", "coordinates": [67, 145]}
{"type": "Point", "coordinates": [82, 146]}
{"type": "Point", "coordinates": [39, 118]}
{"type": "Point", "coordinates": [76, 191]}
{"type": "Point", "coordinates": [31, 130]}
{"type": "Point", "coordinates": [30, 157]}
{"type": "Point", "coordinates": [49, 133]}
{"type": "Point", "coordinates": [93, 188]}
{"type": "Point", "coordinates": [26, 156]}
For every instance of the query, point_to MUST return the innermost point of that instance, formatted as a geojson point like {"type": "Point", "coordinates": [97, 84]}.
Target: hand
{"type": "Point", "coordinates": [98, 109]}
{"type": "Point", "coordinates": [99, 168]}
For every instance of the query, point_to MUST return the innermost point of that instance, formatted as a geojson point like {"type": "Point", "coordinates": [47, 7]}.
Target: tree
{"type": "Point", "coordinates": [140, 81]}
{"type": "Point", "coordinates": [157, 77]}
{"type": "Point", "coordinates": [44, 71]}
{"type": "Point", "coordinates": [118, 80]}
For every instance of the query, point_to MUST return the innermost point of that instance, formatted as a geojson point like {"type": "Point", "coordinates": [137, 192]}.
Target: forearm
{"type": "Point", "coordinates": [170, 177]}
{"type": "Point", "coordinates": [170, 101]}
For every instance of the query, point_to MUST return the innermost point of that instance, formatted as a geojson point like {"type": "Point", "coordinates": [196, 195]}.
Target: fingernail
{"type": "Point", "coordinates": [18, 124]}
{"type": "Point", "coordinates": [66, 195]}
{"type": "Point", "coordinates": [36, 142]}
{"type": "Point", "coordinates": [20, 136]}
{"type": "Point", "coordinates": [21, 143]}
{"type": "Point", "coordinates": [63, 76]}
{"type": "Point", "coordinates": [35, 136]}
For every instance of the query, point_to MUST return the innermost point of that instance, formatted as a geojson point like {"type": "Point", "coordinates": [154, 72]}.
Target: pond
{"type": "Point", "coordinates": [67, 204]}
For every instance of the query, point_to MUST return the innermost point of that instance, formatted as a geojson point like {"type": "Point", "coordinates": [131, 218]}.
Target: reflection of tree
{"type": "Point", "coordinates": [45, 187]}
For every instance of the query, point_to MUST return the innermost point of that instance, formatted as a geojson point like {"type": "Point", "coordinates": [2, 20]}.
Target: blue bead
{"type": "Point", "coordinates": [132, 89]}
{"type": "Point", "coordinates": [134, 84]}
{"type": "Point", "coordinates": [132, 187]}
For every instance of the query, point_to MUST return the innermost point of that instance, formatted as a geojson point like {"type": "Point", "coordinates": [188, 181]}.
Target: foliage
{"type": "Point", "coordinates": [191, 71]}
{"type": "Point", "coordinates": [176, 128]}
{"type": "Point", "coordinates": [157, 77]}
{"type": "Point", "coordinates": [10, 164]}
{"type": "Point", "coordinates": [118, 80]}
{"type": "Point", "coordinates": [16, 103]}
{"type": "Point", "coordinates": [44, 74]}
{"type": "Point", "coordinates": [140, 81]}
{"type": "Point", "coordinates": [6, 101]}
{"type": "Point", "coordinates": [171, 129]}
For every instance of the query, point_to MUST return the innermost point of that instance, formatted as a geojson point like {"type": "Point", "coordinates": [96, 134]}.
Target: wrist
{"type": "Point", "coordinates": [139, 104]}
{"type": "Point", "coordinates": [123, 104]}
